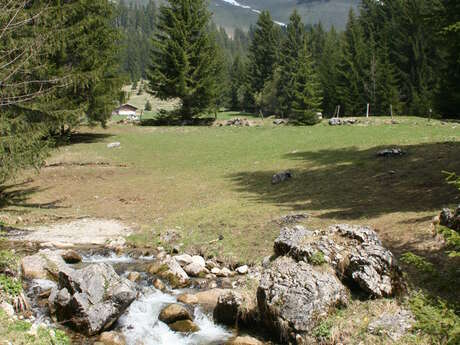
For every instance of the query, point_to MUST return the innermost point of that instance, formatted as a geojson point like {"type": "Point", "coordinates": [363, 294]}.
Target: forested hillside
{"type": "Point", "coordinates": [232, 14]}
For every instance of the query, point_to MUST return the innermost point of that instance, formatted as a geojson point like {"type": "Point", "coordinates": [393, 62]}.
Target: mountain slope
{"type": "Point", "coordinates": [231, 14]}
{"type": "Point", "coordinates": [243, 13]}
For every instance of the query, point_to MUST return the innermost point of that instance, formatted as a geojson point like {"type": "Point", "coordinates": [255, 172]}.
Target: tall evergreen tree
{"type": "Point", "coordinates": [354, 69]}
{"type": "Point", "coordinates": [263, 52]}
{"type": "Point", "coordinates": [328, 67]}
{"type": "Point", "coordinates": [307, 97]}
{"type": "Point", "coordinates": [184, 63]}
{"type": "Point", "coordinates": [292, 49]}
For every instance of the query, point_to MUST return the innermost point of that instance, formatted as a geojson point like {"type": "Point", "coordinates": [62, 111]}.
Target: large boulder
{"type": "Point", "coordinates": [293, 296]}
{"type": "Point", "coordinates": [91, 299]}
{"type": "Point", "coordinates": [43, 265]}
{"type": "Point", "coordinates": [355, 252]}
{"type": "Point", "coordinates": [236, 308]}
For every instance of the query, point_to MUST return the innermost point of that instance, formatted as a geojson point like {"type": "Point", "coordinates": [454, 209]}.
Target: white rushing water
{"type": "Point", "coordinates": [140, 325]}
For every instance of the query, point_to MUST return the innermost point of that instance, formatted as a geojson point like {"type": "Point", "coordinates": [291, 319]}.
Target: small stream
{"type": "Point", "coordinates": [139, 323]}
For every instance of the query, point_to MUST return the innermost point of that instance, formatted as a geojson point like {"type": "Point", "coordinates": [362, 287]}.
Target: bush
{"type": "Point", "coordinates": [11, 286]}
{"type": "Point", "coordinates": [8, 261]}
{"type": "Point", "coordinates": [435, 318]}
{"type": "Point", "coordinates": [148, 106]}
{"type": "Point", "coordinates": [317, 259]}
{"type": "Point", "coordinates": [418, 262]}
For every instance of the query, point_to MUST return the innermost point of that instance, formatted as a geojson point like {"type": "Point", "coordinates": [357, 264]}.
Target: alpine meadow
{"type": "Point", "coordinates": [229, 172]}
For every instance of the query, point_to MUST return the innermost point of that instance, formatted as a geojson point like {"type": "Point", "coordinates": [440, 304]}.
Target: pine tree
{"type": "Point", "coordinates": [387, 89]}
{"type": "Point", "coordinates": [329, 73]}
{"type": "Point", "coordinates": [237, 83]}
{"type": "Point", "coordinates": [263, 52]}
{"type": "Point", "coordinates": [307, 97]}
{"type": "Point", "coordinates": [292, 49]}
{"type": "Point", "coordinates": [184, 63]}
{"type": "Point", "coordinates": [354, 69]}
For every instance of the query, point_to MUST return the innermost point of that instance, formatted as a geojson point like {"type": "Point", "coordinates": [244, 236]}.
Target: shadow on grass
{"type": "Point", "coordinates": [351, 183]}
{"type": "Point", "coordinates": [82, 138]}
{"type": "Point", "coordinates": [16, 195]}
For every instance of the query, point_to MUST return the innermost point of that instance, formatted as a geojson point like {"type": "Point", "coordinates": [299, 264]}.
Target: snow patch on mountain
{"type": "Point", "coordinates": [237, 4]}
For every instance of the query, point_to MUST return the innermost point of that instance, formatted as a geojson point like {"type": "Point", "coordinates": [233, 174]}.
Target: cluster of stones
{"type": "Point", "coordinates": [391, 152]}
{"type": "Point", "coordinates": [236, 123]}
{"type": "Point", "coordinates": [335, 121]}
{"type": "Point", "coordinates": [178, 269]}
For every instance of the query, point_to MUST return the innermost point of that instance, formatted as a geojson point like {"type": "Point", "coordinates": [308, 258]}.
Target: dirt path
{"type": "Point", "coordinates": [78, 232]}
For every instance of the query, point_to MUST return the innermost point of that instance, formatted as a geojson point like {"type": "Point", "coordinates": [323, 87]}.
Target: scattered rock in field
{"type": "Point", "coordinates": [246, 340]}
{"type": "Point", "coordinates": [113, 145]}
{"type": "Point", "coordinates": [242, 269]}
{"type": "Point", "coordinates": [238, 122]}
{"type": "Point", "coordinates": [187, 298]}
{"type": "Point", "coordinates": [173, 313]}
{"type": "Point", "coordinates": [184, 326]}
{"type": "Point", "coordinates": [91, 299]}
{"type": "Point", "coordinates": [43, 264]}
{"type": "Point", "coordinates": [281, 177]}
{"type": "Point", "coordinates": [394, 325]}
{"type": "Point", "coordinates": [215, 271]}
{"type": "Point", "coordinates": [278, 122]}
{"type": "Point", "coordinates": [292, 218]}
{"type": "Point", "coordinates": [355, 252]}
{"type": "Point", "coordinates": [294, 296]}
{"type": "Point", "coordinates": [342, 121]}
{"type": "Point", "coordinates": [71, 257]}
{"type": "Point", "coordinates": [112, 338]}
{"type": "Point", "coordinates": [450, 219]}
{"type": "Point", "coordinates": [393, 152]}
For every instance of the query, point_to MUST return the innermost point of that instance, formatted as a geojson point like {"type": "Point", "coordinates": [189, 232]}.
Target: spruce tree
{"type": "Point", "coordinates": [329, 73]}
{"type": "Point", "coordinates": [354, 69]}
{"type": "Point", "coordinates": [292, 49]}
{"type": "Point", "coordinates": [263, 52]}
{"type": "Point", "coordinates": [307, 97]}
{"type": "Point", "coordinates": [184, 63]}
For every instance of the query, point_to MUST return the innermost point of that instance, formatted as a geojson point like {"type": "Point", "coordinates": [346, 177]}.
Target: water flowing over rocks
{"type": "Point", "coordinates": [91, 299]}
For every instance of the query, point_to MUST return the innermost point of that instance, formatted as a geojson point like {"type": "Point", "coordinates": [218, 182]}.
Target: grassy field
{"type": "Point", "coordinates": [211, 182]}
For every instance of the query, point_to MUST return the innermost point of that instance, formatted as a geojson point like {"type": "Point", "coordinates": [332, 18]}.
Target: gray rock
{"type": "Point", "coordinates": [354, 252]}
{"type": "Point", "coordinates": [279, 122]}
{"type": "Point", "coordinates": [91, 299]}
{"type": "Point", "coordinates": [342, 121]}
{"type": "Point", "coordinates": [394, 325]}
{"type": "Point", "coordinates": [226, 310]}
{"type": "Point", "coordinates": [292, 218]}
{"type": "Point", "coordinates": [183, 259]}
{"type": "Point", "coordinates": [294, 296]}
{"type": "Point", "coordinates": [242, 269]}
{"type": "Point", "coordinates": [393, 152]}
{"type": "Point", "coordinates": [281, 177]}
{"type": "Point", "coordinates": [43, 265]}
{"type": "Point", "coordinates": [113, 145]}
{"type": "Point", "coordinates": [450, 219]}
{"type": "Point", "coordinates": [174, 273]}
{"type": "Point", "coordinates": [195, 270]}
